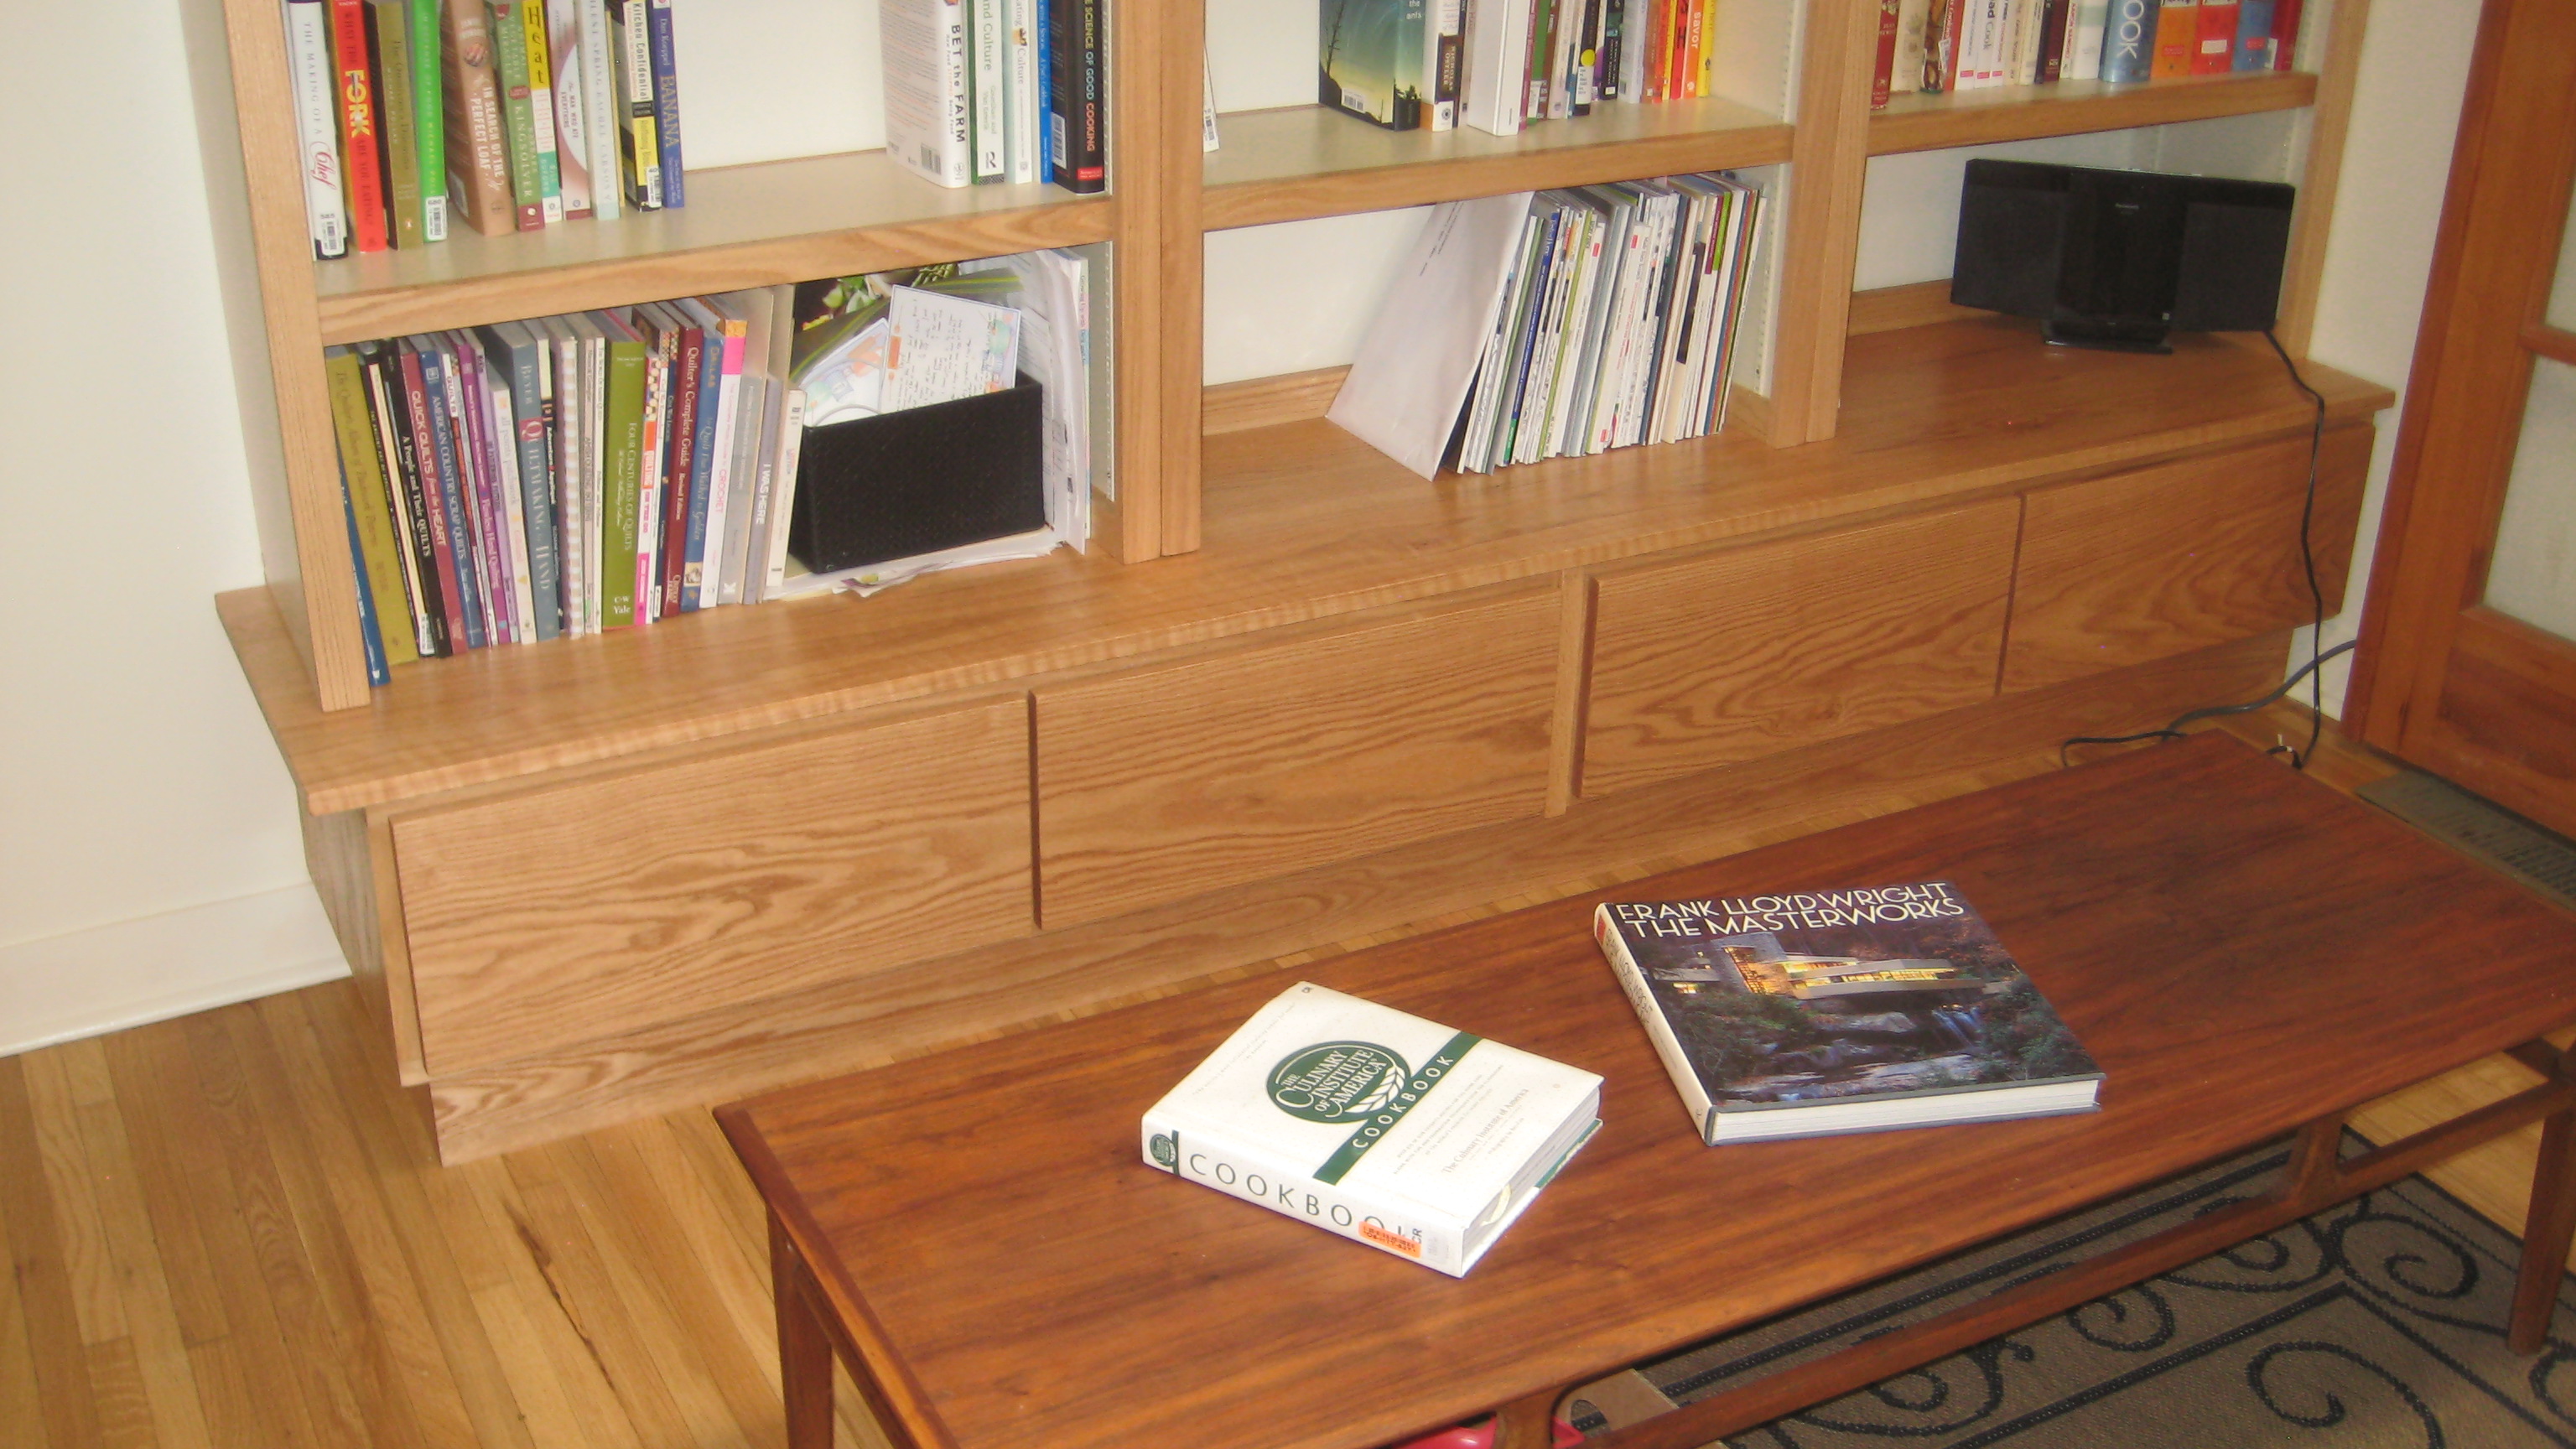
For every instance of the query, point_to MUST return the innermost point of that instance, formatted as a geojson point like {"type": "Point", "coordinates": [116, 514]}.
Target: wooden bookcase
{"type": "Point", "coordinates": [1254, 552]}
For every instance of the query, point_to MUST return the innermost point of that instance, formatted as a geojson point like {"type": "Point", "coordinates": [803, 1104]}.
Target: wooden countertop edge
{"type": "Point", "coordinates": [285, 691]}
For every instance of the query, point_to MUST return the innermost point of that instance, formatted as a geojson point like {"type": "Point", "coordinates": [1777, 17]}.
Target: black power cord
{"type": "Point", "coordinates": [2309, 671]}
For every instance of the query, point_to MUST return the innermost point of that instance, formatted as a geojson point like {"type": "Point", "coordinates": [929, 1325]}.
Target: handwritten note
{"type": "Point", "coordinates": [946, 348]}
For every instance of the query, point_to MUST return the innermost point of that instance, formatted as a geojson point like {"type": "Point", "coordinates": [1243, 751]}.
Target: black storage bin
{"type": "Point", "coordinates": [898, 484]}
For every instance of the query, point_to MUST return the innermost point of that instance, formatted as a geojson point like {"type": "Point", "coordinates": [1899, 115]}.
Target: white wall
{"type": "Point", "coordinates": [150, 860]}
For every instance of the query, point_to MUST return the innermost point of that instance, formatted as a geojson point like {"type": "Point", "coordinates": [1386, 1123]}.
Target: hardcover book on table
{"type": "Point", "coordinates": [1380, 1126]}
{"type": "Point", "coordinates": [1803, 1014]}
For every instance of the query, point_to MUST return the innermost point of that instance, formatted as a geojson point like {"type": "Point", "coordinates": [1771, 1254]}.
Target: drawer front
{"type": "Point", "coordinates": [2139, 566]}
{"type": "Point", "coordinates": [1736, 655]}
{"type": "Point", "coordinates": [570, 912]}
{"type": "Point", "coordinates": [1166, 781]}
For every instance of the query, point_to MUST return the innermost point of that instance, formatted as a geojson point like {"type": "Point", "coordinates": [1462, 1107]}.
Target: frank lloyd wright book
{"type": "Point", "coordinates": [1799, 1015]}
{"type": "Point", "coordinates": [1382, 1127]}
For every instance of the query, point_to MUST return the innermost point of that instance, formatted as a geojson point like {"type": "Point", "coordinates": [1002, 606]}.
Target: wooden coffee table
{"type": "Point", "coordinates": [2248, 954]}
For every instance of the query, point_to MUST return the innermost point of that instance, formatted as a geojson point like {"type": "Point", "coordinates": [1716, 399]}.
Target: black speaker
{"type": "Point", "coordinates": [2119, 259]}
{"type": "Point", "coordinates": [870, 490]}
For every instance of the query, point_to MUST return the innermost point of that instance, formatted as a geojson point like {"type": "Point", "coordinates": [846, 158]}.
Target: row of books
{"type": "Point", "coordinates": [1618, 322]}
{"type": "Point", "coordinates": [566, 475]}
{"type": "Point", "coordinates": [982, 92]}
{"type": "Point", "coordinates": [513, 114]}
{"type": "Point", "coordinates": [1499, 64]}
{"type": "Point", "coordinates": [1959, 45]}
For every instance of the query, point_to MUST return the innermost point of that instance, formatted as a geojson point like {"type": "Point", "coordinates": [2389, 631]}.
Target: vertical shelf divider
{"type": "Point", "coordinates": [303, 541]}
{"type": "Point", "coordinates": [1828, 166]}
{"type": "Point", "coordinates": [2327, 122]}
{"type": "Point", "coordinates": [1154, 178]}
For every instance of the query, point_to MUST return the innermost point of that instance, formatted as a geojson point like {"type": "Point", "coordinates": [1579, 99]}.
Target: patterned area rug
{"type": "Point", "coordinates": [2380, 1322]}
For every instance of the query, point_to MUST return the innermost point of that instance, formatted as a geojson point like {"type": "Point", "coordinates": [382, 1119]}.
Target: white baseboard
{"type": "Point", "coordinates": [89, 982]}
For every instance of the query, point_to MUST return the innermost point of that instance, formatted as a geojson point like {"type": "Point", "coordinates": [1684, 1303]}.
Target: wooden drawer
{"type": "Point", "coordinates": [2138, 566]}
{"type": "Point", "coordinates": [1731, 656]}
{"type": "Point", "coordinates": [1166, 781]}
{"type": "Point", "coordinates": [571, 912]}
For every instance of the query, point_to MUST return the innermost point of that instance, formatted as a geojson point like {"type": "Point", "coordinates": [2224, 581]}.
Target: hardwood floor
{"type": "Point", "coordinates": [226, 1231]}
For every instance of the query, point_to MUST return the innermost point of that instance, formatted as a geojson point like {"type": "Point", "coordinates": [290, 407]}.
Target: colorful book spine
{"type": "Point", "coordinates": [681, 492]}
{"type": "Point", "coordinates": [1614, 50]}
{"type": "Point", "coordinates": [1084, 166]}
{"type": "Point", "coordinates": [541, 106]}
{"type": "Point", "coordinates": [2215, 53]}
{"type": "Point", "coordinates": [623, 459]}
{"type": "Point", "coordinates": [518, 111]}
{"type": "Point", "coordinates": [309, 73]}
{"type": "Point", "coordinates": [1020, 62]}
{"type": "Point", "coordinates": [1882, 80]}
{"type": "Point", "coordinates": [639, 152]}
{"type": "Point", "coordinates": [2253, 36]}
{"type": "Point", "coordinates": [2129, 41]}
{"type": "Point", "coordinates": [572, 131]}
{"type": "Point", "coordinates": [371, 644]}
{"type": "Point", "coordinates": [1046, 78]}
{"type": "Point", "coordinates": [599, 115]}
{"type": "Point", "coordinates": [429, 124]}
{"type": "Point", "coordinates": [390, 396]}
{"type": "Point", "coordinates": [389, 32]}
{"type": "Point", "coordinates": [2052, 40]}
{"type": "Point", "coordinates": [2177, 38]}
{"type": "Point", "coordinates": [2286, 15]}
{"type": "Point", "coordinates": [362, 477]}
{"type": "Point", "coordinates": [2084, 60]}
{"type": "Point", "coordinates": [1443, 51]}
{"type": "Point", "coordinates": [434, 446]}
{"type": "Point", "coordinates": [689, 568]}
{"type": "Point", "coordinates": [665, 56]}
{"type": "Point", "coordinates": [360, 169]}
{"type": "Point", "coordinates": [478, 142]}
{"type": "Point", "coordinates": [516, 350]}
{"type": "Point", "coordinates": [652, 503]}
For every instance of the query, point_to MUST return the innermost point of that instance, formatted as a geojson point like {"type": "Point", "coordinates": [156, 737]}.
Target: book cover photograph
{"type": "Point", "coordinates": [1370, 61]}
{"type": "Point", "coordinates": [1842, 1011]}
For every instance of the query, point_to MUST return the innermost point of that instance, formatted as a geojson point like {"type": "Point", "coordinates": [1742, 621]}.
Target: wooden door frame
{"type": "Point", "coordinates": [2483, 322]}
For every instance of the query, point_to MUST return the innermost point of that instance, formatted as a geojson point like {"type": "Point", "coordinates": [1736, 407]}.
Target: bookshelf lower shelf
{"type": "Point", "coordinates": [1304, 522]}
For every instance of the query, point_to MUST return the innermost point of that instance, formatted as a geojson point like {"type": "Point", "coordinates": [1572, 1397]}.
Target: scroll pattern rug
{"type": "Point", "coordinates": [2379, 1322]}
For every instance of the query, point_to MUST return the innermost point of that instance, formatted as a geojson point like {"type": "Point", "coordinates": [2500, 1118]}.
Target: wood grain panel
{"type": "Point", "coordinates": [1262, 402]}
{"type": "Point", "coordinates": [2322, 175]}
{"type": "Point", "coordinates": [1735, 655]}
{"type": "Point", "coordinates": [744, 226]}
{"type": "Point", "coordinates": [1160, 783]}
{"type": "Point", "coordinates": [1829, 162]}
{"type": "Point", "coordinates": [2505, 706]}
{"type": "Point", "coordinates": [1293, 919]}
{"type": "Point", "coordinates": [1308, 522]}
{"type": "Point", "coordinates": [2139, 565]}
{"type": "Point", "coordinates": [1920, 122]}
{"type": "Point", "coordinates": [1307, 161]}
{"type": "Point", "coordinates": [617, 901]}
{"type": "Point", "coordinates": [1916, 304]}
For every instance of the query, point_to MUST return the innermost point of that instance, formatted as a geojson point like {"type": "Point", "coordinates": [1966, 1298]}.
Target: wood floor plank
{"type": "Point", "coordinates": [546, 1409]}
{"type": "Point", "coordinates": [125, 1417]}
{"type": "Point", "coordinates": [558, 1321]}
{"type": "Point", "coordinates": [448, 1357]}
{"type": "Point", "coordinates": [21, 1410]}
{"type": "Point", "coordinates": [247, 1381]}
{"type": "Point", "coordinates": [660, 1328]}
{"type": "Point", "coordinates": [160, 1352]}
{"type": "Point", "coordinates": [66, 1407]}
{"type": "Point", "coordinates": [143, 1100]}
{"type": "Point", "coordinates": [65, 1161]}
{"type": "Point", "coordinates": [727, 1186]}
{"type": "Point", "coordinates": [391, 1356]}
{"type": "Point", "coordinates": [707, 1319]}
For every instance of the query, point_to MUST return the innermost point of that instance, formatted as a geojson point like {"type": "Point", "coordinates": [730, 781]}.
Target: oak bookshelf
{"type": "Point", "coordinates": [829, 215]}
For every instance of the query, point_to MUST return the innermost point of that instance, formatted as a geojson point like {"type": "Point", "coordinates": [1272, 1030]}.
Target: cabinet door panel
{"type": "Point", "coordinates": [571, 912]}
{"type": "Point", "coordinates": [2145, 565]}
{"type": "Point", "coordinates": [1731, 656]}
{"type": "Point", "coordinates": [1163, 782]}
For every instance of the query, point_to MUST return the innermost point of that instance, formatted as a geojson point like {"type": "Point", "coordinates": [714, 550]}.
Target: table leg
{"type": "Point", "coordinates": [804, 1348]}
{"type": "Point", "coordinates": [2546, 1234]}
{"type": "Point", "coordinates": [1529, 1423]}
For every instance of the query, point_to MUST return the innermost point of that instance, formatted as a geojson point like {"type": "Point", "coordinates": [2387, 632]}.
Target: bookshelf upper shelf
{"type": "Point", "coordinates": [744, 226]}
{"type": "Point", "coordinates": [2065, 108]}
{"type": "Point", "coordinates": [1299, 162]}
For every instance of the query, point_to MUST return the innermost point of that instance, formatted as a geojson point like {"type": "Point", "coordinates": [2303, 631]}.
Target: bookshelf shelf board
{"type": "Point", "coordinates": [744, 226]}
{"type": "Point", "coordinates": [1304, 522]}
{"type": "Point", "coordinates": [1299, 162]}
{"type": "Point", "coordinates": [2065, 108]}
